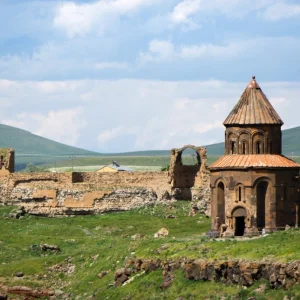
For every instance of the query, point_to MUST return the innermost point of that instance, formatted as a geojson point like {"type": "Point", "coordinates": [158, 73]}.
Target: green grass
{"type": "Point", "coordinates": [99, 243]}
{"type": "Point", "coordinates": [137, 163]}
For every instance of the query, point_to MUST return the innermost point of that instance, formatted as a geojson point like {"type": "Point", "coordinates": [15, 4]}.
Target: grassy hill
{"type": "Point", "coordinates": [36, 149]}
{"type": "Point", "coordinates": [31, 148]}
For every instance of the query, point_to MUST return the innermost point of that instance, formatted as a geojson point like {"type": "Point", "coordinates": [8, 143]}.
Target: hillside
{"type": "Point", "coordinates": [36, 149]}
{"type": "Point", "coordinates": [31, 148]}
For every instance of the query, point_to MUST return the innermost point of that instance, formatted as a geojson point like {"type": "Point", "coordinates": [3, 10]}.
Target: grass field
{"type": "Point", "coordinates": [137, 163]}
{"type": "Point", "coordinates": [98, 243]}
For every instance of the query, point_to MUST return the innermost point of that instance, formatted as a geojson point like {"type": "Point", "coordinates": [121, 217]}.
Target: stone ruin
{"type": "Point", "coordinates": [73, 193]}
{"type": "Point", "coordinates": [188, 182]}
{"type": "Point", "coordinates": [7, 161]}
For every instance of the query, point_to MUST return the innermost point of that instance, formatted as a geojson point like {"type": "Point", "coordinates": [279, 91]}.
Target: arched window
{"type": "Point", "coordinates": [232, 147]}
{"type": "Point", "coordinates": [244, 148]}
{"type": "Point", "coordinates": [259, 147]}
{"type": "Point", "coordinates": [240, 193]}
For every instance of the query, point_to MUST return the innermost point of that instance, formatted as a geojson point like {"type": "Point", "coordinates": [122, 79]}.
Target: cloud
{"type": "Point", "coordinates": [81, 19]}
{"type": "Point", "coordinates": [158, 50]}
{"type": "Point", "coordinates": [127, 115]}
{"type": "Point", "coordinates": [281, 10]}
{"type": "Point", "coordinates": [184, 10]}
{"type": "Point", "coordinates": [161, 50]}
{"type": "Point", "coordinates": [62, 125]}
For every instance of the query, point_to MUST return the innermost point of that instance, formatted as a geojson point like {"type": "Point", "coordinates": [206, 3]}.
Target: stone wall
{"type": "Point", "coordinates": [57, 194]}
{"type": "Point", "coordinates": [240, 272]}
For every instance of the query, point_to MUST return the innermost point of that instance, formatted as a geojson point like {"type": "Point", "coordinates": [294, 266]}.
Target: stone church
{"type": "Point", "coordinates": [254, 188]}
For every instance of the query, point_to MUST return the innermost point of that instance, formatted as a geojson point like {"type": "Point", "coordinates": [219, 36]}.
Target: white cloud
{"type": "Point", "coordinates": [125, 115]}
{"type": "Point", "coordinates": [184, 10]}
{"type": "Point", "coordinates": [281, 10]}
{"type": "Point", "coordinates": [160, 50]}
{"type": "Point", "coordinates": [81, 19]}
{"type": "Point", "coordinates": [62, 125]}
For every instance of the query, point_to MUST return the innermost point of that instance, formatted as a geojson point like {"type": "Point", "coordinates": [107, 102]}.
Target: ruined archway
{"type": "Point", "coordinates": [185, 176]}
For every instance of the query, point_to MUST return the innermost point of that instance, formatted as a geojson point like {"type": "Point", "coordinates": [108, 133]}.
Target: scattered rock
{"type": "Point", "coordinates": [64, 267]}
{"type": "Point", "coordinates": [19, 274]}
{"type": "Point", "coordinates": [137, 237]}
{"type": "Point", "coordinates": [46, 247]}
{"type": "Point", "coordinates": [121, 276]}
{"type": "Point", "coordinates": [58, 293]}
{"type": "Point", "coordinates": [103, 274]}
{"type": "Point", "coordinates": [168, 279]}
{"type": "Point", "coordinates": [261, 289]}
{"type": "Point", "coordinates": [162, 233]}
{"type": "Point", "coordinates": [170, 217]}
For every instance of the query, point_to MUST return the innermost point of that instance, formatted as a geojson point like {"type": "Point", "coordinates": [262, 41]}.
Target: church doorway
{"type": "Point", "coordinates": [261, 195]}
{"type": "Point", "coordinates": [239, 215]}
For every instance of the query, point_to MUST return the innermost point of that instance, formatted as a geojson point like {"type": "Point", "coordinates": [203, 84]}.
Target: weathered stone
{"type": "Point", "coordinates": [46, 247]}
{"type": "Point", "coordinates": [103, 274]}
{"type": "Point", "coordinates": [163, 232]}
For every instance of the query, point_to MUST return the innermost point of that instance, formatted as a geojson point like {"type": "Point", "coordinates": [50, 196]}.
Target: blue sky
{"type": "Point", "coordinates": [124, 75]}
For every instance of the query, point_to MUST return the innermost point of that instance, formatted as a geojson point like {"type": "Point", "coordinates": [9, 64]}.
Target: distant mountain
{"type": "Point", "coordinates": [31, 148]}
{"type": "Point", "coordinates": [36, 149]}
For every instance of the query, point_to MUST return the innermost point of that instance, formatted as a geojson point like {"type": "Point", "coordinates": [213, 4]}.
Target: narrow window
{"type": "Point", "coordinates": [232, 147]}
{"type": "Point", "coordinates": [244, 148]}
{"type": "Point", "coordinates": [240, 194]}
{"type": "Point", "coordinates": [258, 147]}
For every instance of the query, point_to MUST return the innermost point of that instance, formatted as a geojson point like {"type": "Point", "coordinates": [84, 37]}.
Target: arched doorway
{"type": "Point", "coordinates": [239, 215]}
{"type": "Point", "coordinates": [261, 195]}
{"type": "Point", "coordinates": [221, 202]}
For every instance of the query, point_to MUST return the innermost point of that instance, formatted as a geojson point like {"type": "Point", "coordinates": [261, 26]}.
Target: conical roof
{"type": "Point", "coordinates": [253, 108]}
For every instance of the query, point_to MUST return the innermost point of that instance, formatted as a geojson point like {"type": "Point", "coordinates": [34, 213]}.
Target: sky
{"type": "Point", "coordinates": [128, 75]}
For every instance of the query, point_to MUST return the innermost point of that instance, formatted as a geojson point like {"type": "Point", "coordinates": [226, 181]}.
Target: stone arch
{"type": "Point", "coordinates": [244, 141]}
{"type": "Point", "coordinates": [232, 143]}
{"type": "Point", "coordinates": [181, 150]}
{"type": "Point", "coordinates": [265, 204]}
{"type": "Point", "coordinates": [240, 218]}
{"type": "Point", "coordinates": [258, 142]}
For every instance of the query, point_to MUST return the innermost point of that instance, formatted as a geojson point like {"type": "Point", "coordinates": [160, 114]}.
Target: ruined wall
{"type": "Point", "coordinates": [52, 194]}
{"type": "Point", "coordinates": [187, 180]}
{"type": "Point", "coordinates": [7, 161]}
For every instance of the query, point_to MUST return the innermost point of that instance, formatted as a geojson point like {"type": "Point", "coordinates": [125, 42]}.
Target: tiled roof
{"type": "Point", "coordinates": [253, 108]}
{"type": "Point", "coordinates": [236, 161]}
